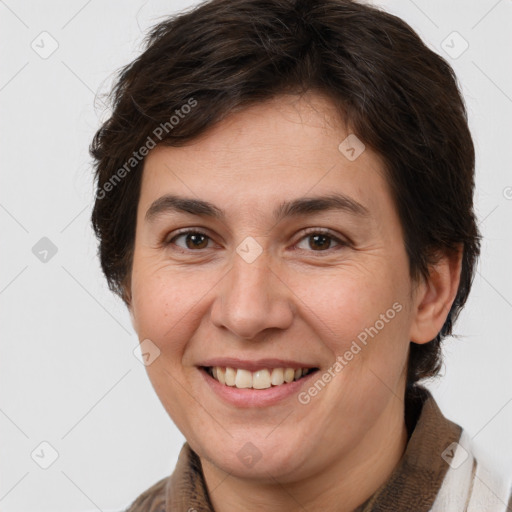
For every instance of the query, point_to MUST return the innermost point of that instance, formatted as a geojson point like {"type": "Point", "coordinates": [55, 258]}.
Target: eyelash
{"type": "Point", "coordinates": [308, 232]}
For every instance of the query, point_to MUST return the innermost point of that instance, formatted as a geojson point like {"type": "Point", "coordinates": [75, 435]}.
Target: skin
{"type": "Point", "coordinates": [295, 301]}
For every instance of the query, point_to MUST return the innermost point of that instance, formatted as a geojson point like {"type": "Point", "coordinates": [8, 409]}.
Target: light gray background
{"type": "Point", "coordinates": [68, 373]}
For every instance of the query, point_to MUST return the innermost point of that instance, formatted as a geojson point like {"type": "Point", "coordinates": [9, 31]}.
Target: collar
{"type": "Point", "coordinates": [416, 480]}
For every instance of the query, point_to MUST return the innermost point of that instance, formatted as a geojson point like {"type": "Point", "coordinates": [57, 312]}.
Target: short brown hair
{"type": "Point", "coordinates": [399, 97]}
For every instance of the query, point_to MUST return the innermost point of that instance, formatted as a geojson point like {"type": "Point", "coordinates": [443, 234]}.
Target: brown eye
{"type": "Point", "coordinates": [193, 240]}
{"type": "Point", "coordinates": [318, 241]}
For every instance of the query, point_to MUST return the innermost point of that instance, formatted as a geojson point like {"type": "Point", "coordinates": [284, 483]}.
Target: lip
{"type": "Point", "coordinates": [247, 398]}
{"type": "Point", "coordinates": [254, 365]}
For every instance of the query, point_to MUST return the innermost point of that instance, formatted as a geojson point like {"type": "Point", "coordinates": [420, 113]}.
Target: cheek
{"type": "Point", "coordinates": [168, 304]}
{"type": "Point", "coordinates": [363, 317]}
{"type": "Point", "coordinates": [349, 300]}
{"type": "Point", "coordinates": [158, 304]}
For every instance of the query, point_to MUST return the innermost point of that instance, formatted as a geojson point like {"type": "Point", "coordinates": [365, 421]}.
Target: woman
{"type": "Point", "coordinates": [285, 204]}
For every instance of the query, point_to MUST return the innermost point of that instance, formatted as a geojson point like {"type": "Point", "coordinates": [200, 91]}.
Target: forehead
{"type": "Point", "coordinates": [252, 160]}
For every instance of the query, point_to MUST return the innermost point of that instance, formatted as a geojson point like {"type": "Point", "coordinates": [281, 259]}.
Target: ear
{"type": "Point", "coordinates": [132, 317]}
{"type": "Point", "coordinates": [127, 299]}
{"type": "Point", "coordinates": [434, 296]}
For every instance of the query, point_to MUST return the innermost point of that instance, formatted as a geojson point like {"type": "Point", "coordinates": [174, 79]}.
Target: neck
{"type": "Point", "coordinates": [341, 487]}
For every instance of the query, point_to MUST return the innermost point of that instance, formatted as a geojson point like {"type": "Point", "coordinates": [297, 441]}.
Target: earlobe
{"type": "Point", "coordinates": [435, 297]}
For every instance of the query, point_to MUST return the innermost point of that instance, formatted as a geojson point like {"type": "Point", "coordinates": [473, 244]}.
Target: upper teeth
{"type": "Point", "coordinates": [260, 379]}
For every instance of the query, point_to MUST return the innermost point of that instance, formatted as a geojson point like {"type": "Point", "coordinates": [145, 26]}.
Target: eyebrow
{"type": "Point", "coordinates": [302, 206]}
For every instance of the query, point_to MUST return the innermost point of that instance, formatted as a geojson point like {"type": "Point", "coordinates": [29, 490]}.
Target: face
{"type": "Point", "coordinates": [270, 275]}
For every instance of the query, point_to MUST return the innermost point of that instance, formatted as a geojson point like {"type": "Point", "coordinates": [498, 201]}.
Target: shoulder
{"type": "Point", "coordinates": [152, 499]}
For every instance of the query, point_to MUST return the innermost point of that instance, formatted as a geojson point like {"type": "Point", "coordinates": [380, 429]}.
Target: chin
{"type": "Point", "coordinates": [257, 457]}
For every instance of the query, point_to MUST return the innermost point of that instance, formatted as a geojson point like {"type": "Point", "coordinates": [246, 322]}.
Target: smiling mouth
{"type": "Point", "coordinates": [260, 379]}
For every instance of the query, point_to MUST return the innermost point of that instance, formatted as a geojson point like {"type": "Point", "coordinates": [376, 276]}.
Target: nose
{"type": "Point", "coordinates": [251, 299]}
